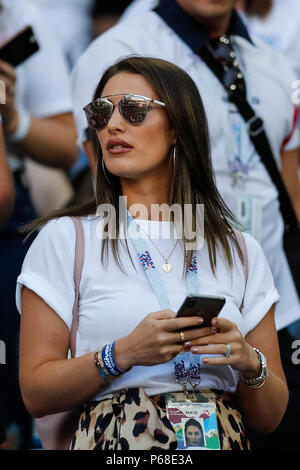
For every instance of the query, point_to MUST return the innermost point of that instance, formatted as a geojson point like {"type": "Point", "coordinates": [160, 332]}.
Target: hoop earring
{"type": "Point", "coordinates": [104, 171]}
{"type": "Point", "coordinates": [174, 155]}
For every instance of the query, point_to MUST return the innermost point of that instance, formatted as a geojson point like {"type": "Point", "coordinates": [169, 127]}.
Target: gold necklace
{"type": "Point", "coordinates": [166, 266]}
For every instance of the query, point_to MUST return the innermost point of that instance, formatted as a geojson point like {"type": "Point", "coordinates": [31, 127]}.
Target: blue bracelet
{"type": "Point", "coordinates": [109, 361]}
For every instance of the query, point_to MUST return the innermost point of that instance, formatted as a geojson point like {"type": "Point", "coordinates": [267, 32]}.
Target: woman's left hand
{"type": "Point", "coordinates": [242, 356]}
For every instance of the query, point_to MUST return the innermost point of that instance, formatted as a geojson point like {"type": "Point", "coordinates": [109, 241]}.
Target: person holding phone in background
{"type": "Point", "coordinates": [7, 196]}
{"type": "Point", "coordinates": [37, 124]}
{"type": "Point", "coordinates": [151, 145]}
{"type": "Point", "coordinates": [7, 190]}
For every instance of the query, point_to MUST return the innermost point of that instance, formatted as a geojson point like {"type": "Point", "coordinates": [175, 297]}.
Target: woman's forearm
{"type": "Point", "coordinates": [51, 141]}
{"type": "Point", "coordinates": [61, 385]}
{"type": "Point", "coordinates": [263, 408]}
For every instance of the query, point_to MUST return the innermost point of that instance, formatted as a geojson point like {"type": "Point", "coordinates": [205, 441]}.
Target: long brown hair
{"type": "Point", "coordinates": [193, 181]}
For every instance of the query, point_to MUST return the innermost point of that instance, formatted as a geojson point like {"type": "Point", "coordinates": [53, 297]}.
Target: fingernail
{"type": "Point", "coordinates": [205, 360]}
{"type": "Point", "coordinates": [200, 320]}
{"type": "Point", "coordinates": [194, 350]}
{"type": "Point", "coordinates": [213, 330]}
{"type": "Point", "coordinates": [187, 344]}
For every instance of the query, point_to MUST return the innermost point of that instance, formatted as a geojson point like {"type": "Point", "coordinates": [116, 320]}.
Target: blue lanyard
{"type": "Point", "coordinates": [151, 271]}
{"type": "Point", "coordinates": [183, 375]}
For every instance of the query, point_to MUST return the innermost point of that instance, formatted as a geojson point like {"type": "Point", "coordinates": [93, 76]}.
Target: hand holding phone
{"type": "Point", "coordinates": [20, 47]}
{"type": "Point", "coordinates": [207, 307]}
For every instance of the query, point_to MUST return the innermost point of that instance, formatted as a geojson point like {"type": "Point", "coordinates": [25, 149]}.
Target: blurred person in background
{"type": "Point", "coordinates": [175, 31]}
{"type": "Point", "coordinates": [276, 22]}
{"type": "Point", "coordinates": [7, 189]}
{"type": "Point", "coordinates": [37, 124]}
{"type": "Point", "coordinates": [105, 15]}
{"type": "Point", "coordinates": [7, 197]}
{"type": "Point", "coordinates": [71, 23]}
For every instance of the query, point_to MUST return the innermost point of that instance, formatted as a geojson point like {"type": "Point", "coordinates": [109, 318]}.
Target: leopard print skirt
{"type": "Point", "coordinates": [131, 420]}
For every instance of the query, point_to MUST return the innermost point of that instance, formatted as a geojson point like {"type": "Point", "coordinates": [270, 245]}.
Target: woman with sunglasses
{"type": "Point", "coordinates": [151, 147]}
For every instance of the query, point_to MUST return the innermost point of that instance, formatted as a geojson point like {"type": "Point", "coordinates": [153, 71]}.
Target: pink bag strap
{"type": "Point", "coordinates": [78, 265]}
{"type": "Point", "coordinates": [242, 243]}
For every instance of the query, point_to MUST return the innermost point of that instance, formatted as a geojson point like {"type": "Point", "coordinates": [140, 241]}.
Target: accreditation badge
{"type": "Point", "coordinates": [194, 419]}
{"type": "Point", "coordinates": [249, 214]}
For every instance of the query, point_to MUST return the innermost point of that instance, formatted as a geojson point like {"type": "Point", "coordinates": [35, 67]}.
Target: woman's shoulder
{"type": "Point", "coordinates": [254, 258]}
{"type": "Point", "coordinates": [61, 231]}
{"type": "Point", "coordinates": [65, 224]}
{"type": "Point", "coordinates": [59, 227]}
{"type": "Point", "coordinates": [251, 244]}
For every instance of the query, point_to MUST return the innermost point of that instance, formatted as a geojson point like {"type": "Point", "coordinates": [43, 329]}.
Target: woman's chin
{"type": "Point", "coordinates": [124, 173]}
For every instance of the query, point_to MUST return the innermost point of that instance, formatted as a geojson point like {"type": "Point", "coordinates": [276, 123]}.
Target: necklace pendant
{"type": "Point", "coordinates": [167, 267]}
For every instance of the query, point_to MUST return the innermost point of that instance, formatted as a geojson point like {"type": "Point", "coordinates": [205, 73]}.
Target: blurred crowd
{"type": "Point", "coordinates": [45, 162]}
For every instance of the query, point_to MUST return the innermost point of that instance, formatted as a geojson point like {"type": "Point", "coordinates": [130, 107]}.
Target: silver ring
{"type": "Point", "coordinates": [227, 353]}
{"type": "Point", "coordinates": [182, 339]}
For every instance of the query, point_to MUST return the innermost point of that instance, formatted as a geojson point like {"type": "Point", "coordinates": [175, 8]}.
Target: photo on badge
{"type": "Point", "coordinates": [195, 425]}
{"type": "Point", "coordinates": [193, 433]}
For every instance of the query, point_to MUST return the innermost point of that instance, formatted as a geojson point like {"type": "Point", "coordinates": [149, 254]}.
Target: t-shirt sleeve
{"type": "Point", "coordinates": [260, 292]}
{"type": "Point", "coordinates": [48, 268]}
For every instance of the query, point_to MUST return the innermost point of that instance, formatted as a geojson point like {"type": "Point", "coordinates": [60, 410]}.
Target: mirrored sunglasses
{"type": "Point", "coordinates": [133, 109]}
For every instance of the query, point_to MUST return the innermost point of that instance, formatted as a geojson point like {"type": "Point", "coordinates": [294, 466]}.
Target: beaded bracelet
{"type": "Point", "coordinates": [105, 363]}
{"type": "Point", "coordinates": [100, 367]}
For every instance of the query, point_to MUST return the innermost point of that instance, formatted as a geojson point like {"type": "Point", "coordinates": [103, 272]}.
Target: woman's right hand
{"type": "Point", "coordinates": [156, 340]}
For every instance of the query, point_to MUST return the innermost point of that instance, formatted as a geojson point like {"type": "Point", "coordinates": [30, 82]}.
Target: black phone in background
{"type": "Point", "coordinates": [20, 47]}
{"type": "Point", "coordinates": [207, 307]}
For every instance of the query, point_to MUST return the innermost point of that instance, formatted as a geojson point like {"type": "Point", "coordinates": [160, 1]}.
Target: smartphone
{"type": "Point", "coordinates": [20, 47]}
{"type": "Point", "coordinates": [207, 307]}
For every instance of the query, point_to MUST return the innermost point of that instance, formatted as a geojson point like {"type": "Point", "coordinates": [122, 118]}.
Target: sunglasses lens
{"type": "Point", "coordinates": [98, 113]}
{"type": "Point", "coordinates": [133, 109]}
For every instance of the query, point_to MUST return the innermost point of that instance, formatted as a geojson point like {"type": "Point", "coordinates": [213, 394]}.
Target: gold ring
{"type": "Point", "coordinates": [182, 336]}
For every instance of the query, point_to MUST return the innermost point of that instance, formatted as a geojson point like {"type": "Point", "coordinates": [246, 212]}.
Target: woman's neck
{"type": "Point", "coordinates": [145, 196]}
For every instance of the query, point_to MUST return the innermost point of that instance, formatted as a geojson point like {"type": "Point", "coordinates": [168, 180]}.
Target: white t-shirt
{"type": "Point", "coordinates": [280, 29]}
{"type": "Point", "coordinates": [112, 302]}
{"type": "Point", "coordinates": [70, 20]}
{"type": "Point", "coordinates": [138, 7]}
{"type": "Point", "coordinates": [269, 90]}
